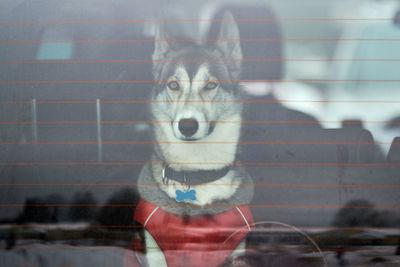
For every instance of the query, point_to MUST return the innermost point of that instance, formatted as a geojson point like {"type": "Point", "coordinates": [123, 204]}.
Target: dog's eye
{"type": "Point", "coordinates": [211, 85]}
{"type": "Point", "coordinates": [174, 85]}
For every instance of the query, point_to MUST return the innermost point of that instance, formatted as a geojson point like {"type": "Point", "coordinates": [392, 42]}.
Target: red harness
{"type": "Point", "coordinates": [197, 240]}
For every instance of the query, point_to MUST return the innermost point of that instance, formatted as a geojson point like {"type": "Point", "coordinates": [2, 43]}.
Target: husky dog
{"type": "Point", "coordinates": [196, 123]}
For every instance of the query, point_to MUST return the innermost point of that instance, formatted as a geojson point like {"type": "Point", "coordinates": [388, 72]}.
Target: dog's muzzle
{"type": "Point", "coordinates": [191, 125]}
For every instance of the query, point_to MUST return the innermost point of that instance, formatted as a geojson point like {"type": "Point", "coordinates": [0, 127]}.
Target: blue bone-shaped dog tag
{"type": "Point", "coordinates": [190, 195]}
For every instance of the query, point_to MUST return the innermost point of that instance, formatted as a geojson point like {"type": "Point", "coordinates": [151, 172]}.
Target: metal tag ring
{"type": "Point", "coordinates": [163, 178]}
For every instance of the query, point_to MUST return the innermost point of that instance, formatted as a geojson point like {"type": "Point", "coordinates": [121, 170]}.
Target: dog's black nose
{"type": "Point", "coordinates": [188, 127]}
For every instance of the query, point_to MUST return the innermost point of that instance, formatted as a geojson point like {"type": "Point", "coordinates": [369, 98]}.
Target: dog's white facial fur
{"type": "Point", "coordinates": [192, 101]}
{"type": "Point", "coordinates": [212, 150]}
{"type": "Point", "coordinates": [192, 90]}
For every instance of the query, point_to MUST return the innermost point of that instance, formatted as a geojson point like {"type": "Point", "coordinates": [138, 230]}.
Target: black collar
{"type": "Point", "coordinates": [194, 177]}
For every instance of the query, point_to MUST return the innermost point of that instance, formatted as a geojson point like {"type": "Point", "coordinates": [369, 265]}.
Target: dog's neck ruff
{"type": "Point", "coordinates": [194, 240]}
{"type": "Point", "coordinates": [194, 177]}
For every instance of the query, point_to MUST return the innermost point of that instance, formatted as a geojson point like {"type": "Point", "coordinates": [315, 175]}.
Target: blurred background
{"type": "Point", "coordinates": [73, 124]}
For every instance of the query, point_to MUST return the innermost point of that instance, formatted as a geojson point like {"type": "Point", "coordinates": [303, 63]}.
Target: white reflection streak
{"type": "Point", "coordinates": [99, 138]}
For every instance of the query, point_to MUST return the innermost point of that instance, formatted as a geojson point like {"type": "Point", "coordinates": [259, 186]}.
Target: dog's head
{"type": "Point", "coordinates": [196, 85]}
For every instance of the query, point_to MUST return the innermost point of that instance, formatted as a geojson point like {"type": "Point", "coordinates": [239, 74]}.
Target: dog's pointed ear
{"type": "Point", "coordinates": [161, 44]}
{"type": "Point", "coordinates": [229, 43]}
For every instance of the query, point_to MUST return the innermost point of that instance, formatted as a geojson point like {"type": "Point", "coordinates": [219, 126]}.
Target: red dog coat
{"type": "Point", "coordinates": [203, 240]}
